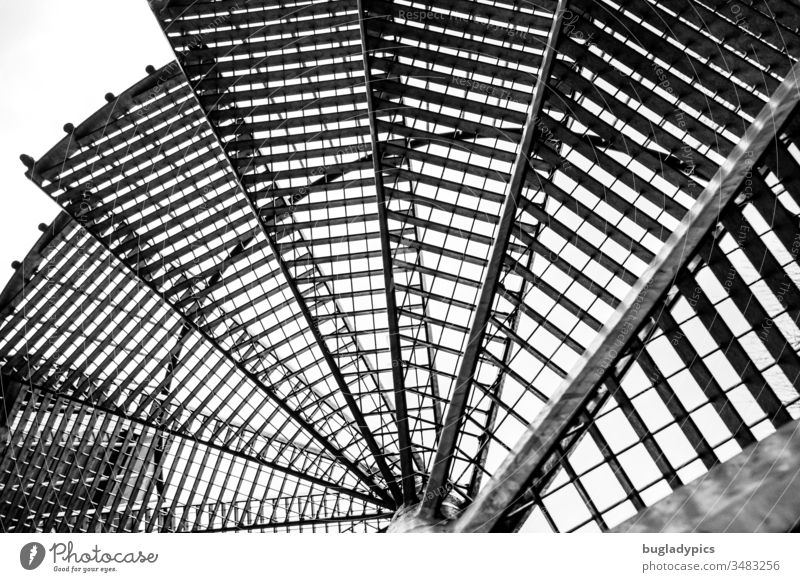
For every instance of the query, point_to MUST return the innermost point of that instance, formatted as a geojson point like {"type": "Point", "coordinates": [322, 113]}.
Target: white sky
{"type": "Point", "coordinates": [58, 58]}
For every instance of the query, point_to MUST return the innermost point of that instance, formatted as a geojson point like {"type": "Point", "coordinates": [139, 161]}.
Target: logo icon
{"type": "Point", "coordinates": [31, 555]}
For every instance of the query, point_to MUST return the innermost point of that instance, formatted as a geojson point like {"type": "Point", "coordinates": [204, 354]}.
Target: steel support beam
{"type": "Point", "coordinates": [518, 469]}
{"type": "Point", "coordinates": [269, 392]}
{"type": "Point", "coordinates": [757, 491]}
{"type": "Point", "coordinates": [322, 521]}
{"type": "Point", "coordinates": [338, 377]}
{"type": "Point", "coordinates": [164, 430]}
{"type": "Point", "coordinates": [437, 483]}
{"type": "Point", "coordinates": [333, 365]}
{"type": "Point", "coordinates": [400, 403]}
{"type": "Point", "coordinates": [496, 390]}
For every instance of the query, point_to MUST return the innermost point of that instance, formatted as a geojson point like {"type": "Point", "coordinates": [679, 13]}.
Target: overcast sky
{"type": "Point", "coordinates": [58, 58]}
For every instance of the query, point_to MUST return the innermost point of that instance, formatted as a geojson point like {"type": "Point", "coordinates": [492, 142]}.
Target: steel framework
{"type": "Point", "coordinates": [376, 265]}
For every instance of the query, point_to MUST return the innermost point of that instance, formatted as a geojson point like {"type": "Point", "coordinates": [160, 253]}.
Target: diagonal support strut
{"type": "Point", "coordinates": [546, 431]}
{"type": "Point", "coordinates": [437, 484]}
{"type": "Point", "coordinates": [401, 405]}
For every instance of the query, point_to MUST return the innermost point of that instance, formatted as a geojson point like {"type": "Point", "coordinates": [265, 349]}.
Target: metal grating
{"type": "Point", "coordinates": [335, 260]}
